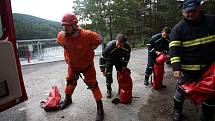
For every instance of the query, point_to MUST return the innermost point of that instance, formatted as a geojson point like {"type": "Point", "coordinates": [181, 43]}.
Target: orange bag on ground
{"type": "Point", "coordinates": [53, 100]}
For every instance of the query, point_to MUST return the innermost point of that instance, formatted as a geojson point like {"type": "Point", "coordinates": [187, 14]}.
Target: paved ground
{"type": "Point", "coordinates": [150, 105]}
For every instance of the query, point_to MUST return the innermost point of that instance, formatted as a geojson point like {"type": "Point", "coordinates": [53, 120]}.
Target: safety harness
{"type": "Point", "coordinates": [78, 75]}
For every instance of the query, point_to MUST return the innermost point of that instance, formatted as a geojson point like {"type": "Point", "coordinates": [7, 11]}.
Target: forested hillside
{"type": "Point", "coordinates": [139, 19]}
{"type": "Point", "coordinates": [30, 27]}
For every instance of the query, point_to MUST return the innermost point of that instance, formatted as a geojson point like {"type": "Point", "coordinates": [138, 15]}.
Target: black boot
{"type": "Point", "coordinates": [67, 101]}
{"type": "Point", "coordinates": [146, 81]}
{"type": "Point", "coordinates": [109, 90]}
{"type": "Point", "coordinates": [163, 86]}
{"type": "Point", "coordinates": [100, 111]}
{"type": "Point", "coordinates": [178, 106]}
{"type": "Point", "coordinates": [207, 113]}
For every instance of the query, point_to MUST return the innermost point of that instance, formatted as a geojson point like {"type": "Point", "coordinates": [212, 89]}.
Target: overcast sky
{"type": "Point", "coordinates": [47, 9]}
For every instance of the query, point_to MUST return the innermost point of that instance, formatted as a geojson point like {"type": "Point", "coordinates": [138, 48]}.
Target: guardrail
{"type": "Point", "coordinates": [42, 50]}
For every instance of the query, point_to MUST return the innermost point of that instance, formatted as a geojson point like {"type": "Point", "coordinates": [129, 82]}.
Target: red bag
{"type": "Point", "coordinates": [161, 59]}
{"type": "Point", "coordinates": [158, 76]}
{"type": "Point", "coordinates": [53, 101]}
{"type": "Point", "coordinates": [204, 89]}
{"type": "Point", "coordinates": [125, 86]}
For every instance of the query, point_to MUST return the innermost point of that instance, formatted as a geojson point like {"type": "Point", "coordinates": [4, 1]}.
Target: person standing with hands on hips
{"type": "Point", "coordinates": [79, 45]}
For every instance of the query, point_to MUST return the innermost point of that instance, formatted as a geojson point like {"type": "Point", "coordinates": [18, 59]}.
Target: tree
{"type": "Point", "coordinates": [137, 18]}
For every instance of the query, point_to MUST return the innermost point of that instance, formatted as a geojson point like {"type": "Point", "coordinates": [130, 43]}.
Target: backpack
{"type": "Point", "coordinates": [53, 100]}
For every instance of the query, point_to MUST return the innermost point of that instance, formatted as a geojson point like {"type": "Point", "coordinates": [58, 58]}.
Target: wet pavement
{"type": "Point", "coordinates": [147, 105]}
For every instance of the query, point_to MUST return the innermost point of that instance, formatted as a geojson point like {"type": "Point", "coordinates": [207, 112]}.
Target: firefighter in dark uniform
{"type": "Point", "coordinates": [116, 53]}
{"type": "Point", "coordinates": [158, 44]}
{"type": "Point", "coordinates": [192, 48]}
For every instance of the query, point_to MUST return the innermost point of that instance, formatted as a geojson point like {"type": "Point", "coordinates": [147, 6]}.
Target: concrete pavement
{"type": "Point", "coordinates": [39, 79]}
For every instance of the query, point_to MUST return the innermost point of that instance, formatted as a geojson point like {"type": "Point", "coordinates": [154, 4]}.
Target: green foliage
{"type": "Point", "coordinates": [107, 38]}
{"type": "Point", "coordinates": [137, 18]}
{"type": "Point", "coordinates": [30, 27]}
{"type": "Point", "coordinates": [140, 43]}
{"type": "Point", "coordinates": [209, 7]}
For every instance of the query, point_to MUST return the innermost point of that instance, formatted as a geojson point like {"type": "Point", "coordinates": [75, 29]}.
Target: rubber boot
{"type": "Point", "coordinates": [146, 81]}
{"type": "Point", "coordinates": [100, 111]}
{"type": "Point", "coordinates": [67, 101]}
{"type": "Point", "coordinates": [109, 90]}
{"type": "Point", "coordinates": [207, 113]}
{"type": "Point", "coordinates": [178, 106]}
{"type": "Point", "coordinates": [163, 86]}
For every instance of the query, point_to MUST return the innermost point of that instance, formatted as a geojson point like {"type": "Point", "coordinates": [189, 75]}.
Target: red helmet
{"type": "Point", "coordinates": [69, 18]}
{"type": "Point", "coordinates": [161, 59]}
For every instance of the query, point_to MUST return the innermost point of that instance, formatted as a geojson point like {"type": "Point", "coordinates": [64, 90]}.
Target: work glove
{"type": "Point", "coordinates": [177, 74]}
{"type": "Point", "coordinates": [158, 53]}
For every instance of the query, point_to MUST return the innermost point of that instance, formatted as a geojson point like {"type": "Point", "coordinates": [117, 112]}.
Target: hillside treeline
{"type": "Point", "coordinates": [139, 19]}
{"type": "Point", "coordinates": [30, 27]}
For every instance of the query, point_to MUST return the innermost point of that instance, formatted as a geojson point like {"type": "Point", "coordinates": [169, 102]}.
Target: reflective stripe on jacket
{"type": "Point", "coordinates": [113, 54]}
{"type": "Point", "coordinates": [192, 46]}
{"type": "Point", "coordinates": [157, 43]}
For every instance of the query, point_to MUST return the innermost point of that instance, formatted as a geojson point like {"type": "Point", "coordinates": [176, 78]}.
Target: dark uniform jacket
{"type": "Point", "coordinates": [157, 43]}
{"type": "Point", "coordinates": [114, 55]}
{"type": "Point", "coordinates": [192, 46]}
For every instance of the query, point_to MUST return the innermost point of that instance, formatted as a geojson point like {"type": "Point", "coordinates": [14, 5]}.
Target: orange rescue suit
{"type": "Point", "coordinates": [79, 54]}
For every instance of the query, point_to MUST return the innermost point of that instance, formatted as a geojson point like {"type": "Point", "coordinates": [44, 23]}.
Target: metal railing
{"type": "Point", "coordinates": [42, 50]}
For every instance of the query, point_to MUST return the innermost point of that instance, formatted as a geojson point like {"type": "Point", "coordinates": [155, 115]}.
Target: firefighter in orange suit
{"type": "Point", "coordinates": [79, 45]}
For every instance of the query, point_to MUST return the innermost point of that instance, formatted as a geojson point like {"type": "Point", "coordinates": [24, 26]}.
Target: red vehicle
{"type": "Point", "coordinates": [12, 89]}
